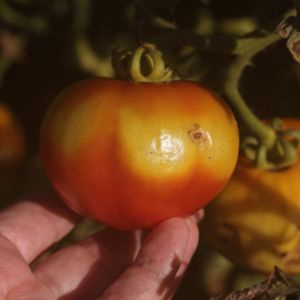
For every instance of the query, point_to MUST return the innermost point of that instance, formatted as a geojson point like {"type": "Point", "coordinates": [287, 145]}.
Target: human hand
{"type": "Point", "coordinates": [109, 265]}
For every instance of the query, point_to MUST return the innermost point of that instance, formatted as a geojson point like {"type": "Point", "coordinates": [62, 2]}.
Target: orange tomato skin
{"type": "Point", "coordinates": [133, 154]}
{"type": "Point", "coordinates": [12, 140]}
{"type": "Point", "coordinates": [255, 220]}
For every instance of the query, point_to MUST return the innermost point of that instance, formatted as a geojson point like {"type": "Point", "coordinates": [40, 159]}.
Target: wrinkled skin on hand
{"type": "Point", "coordinates": [107, 265]}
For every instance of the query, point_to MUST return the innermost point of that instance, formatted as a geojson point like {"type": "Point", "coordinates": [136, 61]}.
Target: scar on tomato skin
{"type": "Point", "coordinates": [199, 136]}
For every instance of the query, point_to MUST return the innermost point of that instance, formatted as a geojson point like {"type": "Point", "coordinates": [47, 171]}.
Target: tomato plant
{"type": "Point", "coordinates": [255, 220]}
{"type": "Point", "coordinates": [130, 161]}
{"type": "Point", "coordinates": [133, 154]}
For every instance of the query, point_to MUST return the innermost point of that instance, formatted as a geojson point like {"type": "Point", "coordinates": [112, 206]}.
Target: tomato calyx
{"type": "Point", "coordinates": [144, 64]}
{"type": "Point", "coordinates": [283, 153]}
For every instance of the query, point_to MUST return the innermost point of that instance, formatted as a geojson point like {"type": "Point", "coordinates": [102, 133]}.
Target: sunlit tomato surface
{"type": "Point", "coordinates": [133, 154]}
{"type": "Point", "coordinates": [255, 221]}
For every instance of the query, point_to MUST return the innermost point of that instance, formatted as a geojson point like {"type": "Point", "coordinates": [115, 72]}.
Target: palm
{"type": "Point", "coordinates": [108, 265]}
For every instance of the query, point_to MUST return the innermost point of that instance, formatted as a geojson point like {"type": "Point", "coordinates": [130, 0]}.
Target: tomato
{"type": "Point", "coordinates": [255, 221]}
{"type": "Point", "coordinates": [12, 141]}
{"type": "Point", "coordinates": [12, 150]}
{"type": "Point", "coordinates": [133, 154]}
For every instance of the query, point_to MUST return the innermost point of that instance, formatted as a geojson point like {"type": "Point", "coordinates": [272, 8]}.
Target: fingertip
{"type": "Point", "coordinates": [197, 217]}
{"type": "Point", "coordinates": [192, 241]}
{"type": "Point", "coordinates": [158, 268]}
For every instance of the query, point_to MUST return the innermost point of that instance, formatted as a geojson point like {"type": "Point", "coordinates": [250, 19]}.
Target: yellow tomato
{"type": "Point", "coordinates": [255, 221]}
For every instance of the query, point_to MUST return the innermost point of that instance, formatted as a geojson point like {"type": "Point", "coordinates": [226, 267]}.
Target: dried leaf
{"type": "Point", "coordinates": [277, 286]}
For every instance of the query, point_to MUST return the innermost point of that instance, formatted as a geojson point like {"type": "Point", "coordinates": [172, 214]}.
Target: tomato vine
{"type": "Point", "coordinates": [261, 141]}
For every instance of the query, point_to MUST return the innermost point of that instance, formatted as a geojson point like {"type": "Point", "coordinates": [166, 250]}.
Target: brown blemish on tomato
{"type": "Point", "coordinates": [199, 136]}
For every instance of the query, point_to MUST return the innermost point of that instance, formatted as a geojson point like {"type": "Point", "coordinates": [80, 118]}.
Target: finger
{"type": "Point", "coordinates": [16, 279]}
{"type": "Point", "coordinates": [197, 217]}
{"type": "Point", "coordinates": [35, 223]}
{"type": "Point", "coordinates": [189, 252]}
{"type": "Point", "coordinates": [84, 270]}
{"type": "Point", "coordinates": [156, 272]}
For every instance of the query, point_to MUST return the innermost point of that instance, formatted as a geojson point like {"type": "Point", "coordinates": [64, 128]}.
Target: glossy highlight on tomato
{"type": "Point", "coordinates": [133, 154]}
{"type": "Point", "coordinates": [255, 220]}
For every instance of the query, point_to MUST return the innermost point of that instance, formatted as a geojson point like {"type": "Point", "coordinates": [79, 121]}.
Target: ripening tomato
{"type": "Point", "coordinates": [255, 220]}
{"type": "Point", "coordinates": [12, 141]}
{"type": "Point", "coordinates": [133, 154]}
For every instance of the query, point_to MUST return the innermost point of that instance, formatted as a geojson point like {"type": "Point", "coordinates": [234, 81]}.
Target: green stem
{"type": "Point", "coordinates": [264, 133]}
{"type": "Point", "coordinates": [158, 70]}
{"type": "Point", "coordinates": [36, 24]}
{"type": "Point", "coordinates": [144, 64]}
{"type": "Point", "coordinates": [171, 36]}
{"type": "Point", "coordinates": [87, 57]}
